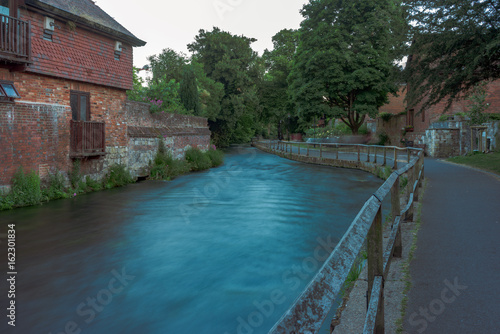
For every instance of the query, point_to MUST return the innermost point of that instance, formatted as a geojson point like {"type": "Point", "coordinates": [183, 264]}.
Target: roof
{"type": "Point", "coordinates": [88, 13]}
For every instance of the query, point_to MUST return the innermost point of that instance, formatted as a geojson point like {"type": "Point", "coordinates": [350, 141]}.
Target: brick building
{"type": "Point", "coordinates": [65, 67]}
{"type": "Point", "coordinates": [424, 129]}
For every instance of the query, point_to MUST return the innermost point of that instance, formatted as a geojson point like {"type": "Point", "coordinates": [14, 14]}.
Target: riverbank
{"type": "Point", "coordinates": [28, 189]}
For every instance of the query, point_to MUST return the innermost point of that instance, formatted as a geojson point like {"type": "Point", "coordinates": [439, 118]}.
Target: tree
{"type": "Point", "coordinates": [478, 105]}
{"type": "Point", "coordinates": [210, 92]}
{"type": "Point", "coordinates": [456, 46]}
{"type": "Point", "coordinates": [229, 60]}
{"type": "Point", "coordinates": [169, 64]}
{"type": "Point", "coordinates": [345, 60]}
{"type": "Point", "coordinates": [188, 90]}
{"type": "Point", "coordinates": [138, 92]}
{"type": "Point", "coordinates": [273, 90]}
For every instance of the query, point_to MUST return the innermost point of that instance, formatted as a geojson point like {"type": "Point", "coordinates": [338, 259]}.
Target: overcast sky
{"type": "Point", "coordinates": [174, 23]}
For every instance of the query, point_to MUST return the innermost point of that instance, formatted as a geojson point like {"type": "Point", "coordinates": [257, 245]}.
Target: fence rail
{"type": "Point", "coordinates": [15, 40]}
{"type": "Point", "coordinates": [87, 138]}
{"type": "Point", "coordinates": [311, 308]}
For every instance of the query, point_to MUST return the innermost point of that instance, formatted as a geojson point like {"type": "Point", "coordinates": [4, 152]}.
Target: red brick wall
{"type": "Point", "coordinates": [34, 136]}
{"type": "Point", "coordinates": [397, 104]}
{"type": "Point", "coordinates": [79, 55]}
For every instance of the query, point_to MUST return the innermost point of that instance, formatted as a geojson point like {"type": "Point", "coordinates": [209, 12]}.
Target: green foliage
{"type": "Point", "coordinates": [489, 162]}
{"type": "Point", "coordinates": [163, 96]}
{"type": "Point", "coordinates": [383, 172]}
{"type": "Point", "coordinates": [25, 190]}
{"type": "Point", "coordinates": [229, 60]}
{"type": "Point", "coordinates": [385, 116]}
{"type": "Point", "coordinates": [92, 185]}
{"type": "Point", "coordinates": [165, 167]}
{"type": "Point", "coordinates": [216, 156]}
{"type": "Point", "coordinates": [188, 91]}
{"type": "Point", "coordinates": [197, 159]}
{"type": "Point", "coordinates": [494, 117]}
{"type": "Point", "coordinates": [457, 46]}
{"type": "Point", "coordinates": [167, 66]}
{"type": "Point", "coordinates": [345, 61]}
{"type": "Point", "coordinates": [210, 91]}
{"type": "Point", "coordinates": [363, 130]}
{"type": "Point", "coordinates": [117, 176]}
{"type": "Point", "coordinates": [138, 92]}
{"type": "Point", "coordinates": [403, 182]}
{"type": "Point", "coordinates": [383, 139]}
{"type": "Point", "coordinates": [478, 104]}
{"type": "Point", "coordinates": [443, 118]}
{"type": "Point", "coordinates": [56, 187]}
{"type": "Point", "coordinates": [340, 129]}
{"type": "Point", "coordinates": [75, 174]}
{"type": "Point", "coordinates": [273, 89]}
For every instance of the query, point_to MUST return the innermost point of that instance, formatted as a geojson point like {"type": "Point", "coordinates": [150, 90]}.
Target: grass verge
{"type": "Point", "coordinates": [489, 162]}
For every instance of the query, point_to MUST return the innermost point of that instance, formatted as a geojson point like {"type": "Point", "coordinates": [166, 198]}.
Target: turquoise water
{"type": "Point", "coordinates": [222, 251]}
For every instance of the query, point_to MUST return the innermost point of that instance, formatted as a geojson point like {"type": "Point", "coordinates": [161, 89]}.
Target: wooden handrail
{"type": "Point", "coordinates": [310, 309]}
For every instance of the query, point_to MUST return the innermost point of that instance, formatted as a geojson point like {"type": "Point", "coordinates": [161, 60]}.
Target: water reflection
{"type": "Point", "coordinates": [222, 251]}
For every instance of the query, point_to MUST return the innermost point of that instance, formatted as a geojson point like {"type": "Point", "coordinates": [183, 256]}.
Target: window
{"type": "Point", "coordinates": [80, 105]}
{"type": "Point", "coordinates": [8, 91]}
{"type": "Point", "coordinates": [409, 118]}
{"type": "Point", "coordinates": [423, 115]}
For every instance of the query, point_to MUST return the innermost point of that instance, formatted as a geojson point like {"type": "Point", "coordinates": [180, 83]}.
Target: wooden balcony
{"type": "Point", "coordinates": [87, 139]}
{"type": "Point", "coordinates": [15, 40]}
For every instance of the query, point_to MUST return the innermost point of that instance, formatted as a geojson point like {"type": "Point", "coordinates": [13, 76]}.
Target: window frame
{"type": "Point", "coordinates": [79, 95]}
{"type": "Point", "coordinates": [4, 97]}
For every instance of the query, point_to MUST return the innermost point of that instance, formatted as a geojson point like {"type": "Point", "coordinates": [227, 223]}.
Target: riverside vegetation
{"type": "Point", "coordinates": [28, 189]}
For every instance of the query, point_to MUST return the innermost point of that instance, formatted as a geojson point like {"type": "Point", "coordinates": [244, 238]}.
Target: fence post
{"type": "Point", "coordinates": [375, 249]}
{"type": "Point", "coordinates": [320, 150]}
{"type": "Point", "coordinates": [375, 153]}
{"type": "Point", "coordinates": [359, 154]}
{"type": "Point", "coordinates": [395, 158]}
{"type": "Point", "coordinates": [376, 264]}
{"type": "Point", "coordinates": [367, 153]}
{"type": "Point", "coordinates": [408, 152]}
{"type": "Point", "coordinates": [395, 212]}
{"type": "Point", "coordinates": [299, 148]}
{"type": "Point", "coordinates": [337, 146]}
{"type": "Point", "coordinates": [385, 156]}
{"type": "Point", "coordinates": [411, 182]}
{"type": "Point", "coordinates": [307, 149]}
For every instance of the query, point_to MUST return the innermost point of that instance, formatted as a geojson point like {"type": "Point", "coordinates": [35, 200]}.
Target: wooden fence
{"type": "Point", "coordinates": [15, 39]}
{"type": "Point", "coordinates": [87, 139]}
{"type": "Point", "coordinates": [311, 308]}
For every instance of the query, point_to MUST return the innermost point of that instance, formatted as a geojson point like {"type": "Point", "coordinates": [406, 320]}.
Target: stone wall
{"type": "Point", "coordinates": [453, 138]}
{"type": "Point", "coordinates": [179, 132]}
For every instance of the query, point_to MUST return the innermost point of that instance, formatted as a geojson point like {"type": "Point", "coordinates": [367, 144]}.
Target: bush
{"type": "Point", "coordinates": [383, 139]}
{"type": "Point", "coordinates": [75, 175]}
{"type": "Point", "coordinates": [385, 116]}
{"type": "Point", "coordinates": [197, 159]}
{"type": "Point", "coordinates": [117, 176]}
{"type": "Point", "coordinates": [56, 187]}
{"type": "Point", "coordinates": [216, 156]}
{"type": "Point", "coordinates": [92, 185]}
{"type": "Point", "coordinates": [363, 130]}
{"type": "Point", "coordinates": [165, 167]}
{"type": "Point", "coordinates": [26, 189]}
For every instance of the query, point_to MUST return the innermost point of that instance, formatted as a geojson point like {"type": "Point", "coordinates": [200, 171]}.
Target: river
{"type": "Point", "coordinates": [222, 251]}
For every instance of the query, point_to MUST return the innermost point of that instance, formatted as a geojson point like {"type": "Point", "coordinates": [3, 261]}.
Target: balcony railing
{"type": "Point", "coordinates": [15, 41]}
{"type": "Point", "coordinates": [87, 139]}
